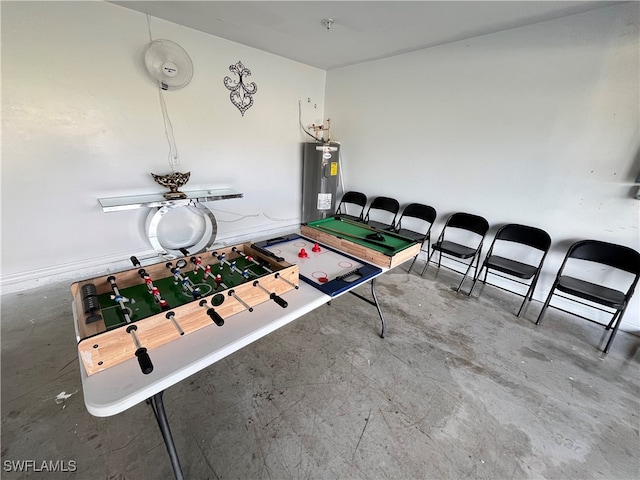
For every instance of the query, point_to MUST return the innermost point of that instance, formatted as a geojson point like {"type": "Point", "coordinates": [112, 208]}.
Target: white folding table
{"type": "Point", "coordinates": [122, 386]}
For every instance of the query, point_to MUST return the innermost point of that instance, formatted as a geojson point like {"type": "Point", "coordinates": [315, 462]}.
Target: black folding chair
{"type": "Point", "coordinates": [385, 209]}
{"type": "Point", "coordinates": [612, 261]}
{"type": "Point", "coordinates": [354, 202]}
{"type": "Point", "coordinates": [420, 218]}
{"type": "Point", "coordinates": [459, 252]}
{"type": "Point", "coordinates": [500, 258]}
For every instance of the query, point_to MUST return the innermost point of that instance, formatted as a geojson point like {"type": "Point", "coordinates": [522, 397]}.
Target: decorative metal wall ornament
{"type": "Point", "coordinates": [241, 92]}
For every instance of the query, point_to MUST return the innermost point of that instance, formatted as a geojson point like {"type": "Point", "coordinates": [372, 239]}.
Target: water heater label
{"type": "Point", "coordinates": [324, 201]}
{"type": "Point", "coordinates": [334, 169]}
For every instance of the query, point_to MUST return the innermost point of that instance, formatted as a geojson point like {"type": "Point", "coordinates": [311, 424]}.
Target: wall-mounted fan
{"type": "Point", "coordinates": [168, 64]}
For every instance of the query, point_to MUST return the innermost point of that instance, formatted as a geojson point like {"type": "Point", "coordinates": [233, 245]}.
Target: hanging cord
{"type": "Point", "coordinates": [168, 127]}
{"type": "Point", "coordinates": [168, 131]}
{"type": "Point", "coordinates": [149, 27]}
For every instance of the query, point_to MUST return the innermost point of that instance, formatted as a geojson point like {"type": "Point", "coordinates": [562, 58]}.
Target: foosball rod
{"type": "Point", "coordinates": [172, 316]}
{"type": "Point", "coordinates": [250, 259]}
{"type": "Point", "coordinates": [223, 261]}
{"type": "Point", "coordinates": [143, 357]}
{"type": "Point", "coordinates": [232, 293]}
{"type": "Point", "coordinates": [272, 295]}
{"type": "Point", "coordinates": [186, 282]}
{"type": "Point", "coordinates": [267, 253]}
{"type": "Point", "coordinates": [277, 275]}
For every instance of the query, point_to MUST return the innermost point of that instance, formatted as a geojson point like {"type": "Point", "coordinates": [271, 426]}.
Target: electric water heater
{"type": "Point", "coordinates": [320, 173]}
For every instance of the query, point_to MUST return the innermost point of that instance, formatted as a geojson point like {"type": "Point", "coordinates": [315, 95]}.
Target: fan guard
{"type": "Point", "coordinates": [168, 64]}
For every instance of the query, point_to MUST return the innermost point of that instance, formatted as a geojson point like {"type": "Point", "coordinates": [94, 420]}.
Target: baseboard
{"type": "Point", "coordinates": [71, 272]}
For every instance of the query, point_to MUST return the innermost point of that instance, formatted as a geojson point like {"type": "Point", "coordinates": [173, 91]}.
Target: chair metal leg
{"type": "Point", "coordinates": [619, 315]}
{"type": "Point", "coordinates": [546, 304]}
{"type": "Point", "coordinates": [414, 261]}
{"type": "Point", "coordinates": [161, 416]}
{"type": "Point", "coordinates": [608, 327]}
{"type": "Point", "coordinates": [474, 284]}
{"type": "Point", "coordinates": [527, 297]}
{"type": "Point", "coordinates": [522, 305]}
{"type": "Point", "coordinates": [464, 277]}
{"type": "Point", "coordinates": [427, 264]}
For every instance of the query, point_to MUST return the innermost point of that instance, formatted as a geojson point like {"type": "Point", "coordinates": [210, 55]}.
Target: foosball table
{"type": "Point", "coordinates": [127, 314]}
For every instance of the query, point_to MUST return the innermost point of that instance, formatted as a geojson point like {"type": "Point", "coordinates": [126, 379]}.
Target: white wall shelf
{"type": "Point", "coordinates": [132, 202]}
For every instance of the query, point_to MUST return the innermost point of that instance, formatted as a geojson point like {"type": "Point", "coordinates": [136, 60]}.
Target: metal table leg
{"type": "Point", "coordinates": [374, 303]}
{"type": "Point", "coordinates": [161, 416]}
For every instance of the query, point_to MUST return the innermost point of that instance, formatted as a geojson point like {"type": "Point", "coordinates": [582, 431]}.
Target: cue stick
{"type": "Point", "coordinates": [373, 242]}
{"type": "Point", "coordinates": [368, 227]}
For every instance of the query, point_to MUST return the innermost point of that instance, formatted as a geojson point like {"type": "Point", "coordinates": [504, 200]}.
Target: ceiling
{"type": "Point", "coordinates": [361, 30]}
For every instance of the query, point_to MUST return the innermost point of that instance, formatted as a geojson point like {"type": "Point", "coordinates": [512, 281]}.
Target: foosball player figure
{"type": "Point", "coordinates": [187, 288]}
{"type": "Point", "coordinates": [153, 290]}
{"type": "Point", "coordinates": [123, 299]}
{"type": "Point", "coordinates": [207, 272]}
{"type": "Point", "coordinates": [197, 262]}
{"type": "Point", "coordinates": [158, 298]}
{"type": "Point", "coordinates": [219, 283]}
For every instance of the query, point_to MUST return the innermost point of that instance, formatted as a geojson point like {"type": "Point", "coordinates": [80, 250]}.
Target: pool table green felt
{"type": "Point", "coordinates": [391, 244]}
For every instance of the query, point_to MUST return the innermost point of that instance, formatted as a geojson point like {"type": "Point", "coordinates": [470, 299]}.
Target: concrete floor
{"type": "Point", "coordinates": [460, 387]}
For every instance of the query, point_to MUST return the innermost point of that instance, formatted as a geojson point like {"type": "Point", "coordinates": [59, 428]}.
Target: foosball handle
{"type": "Point", "coordinates": [267, 253]}
{"type": "Point", "coordinates": [215, 316]}
{"type": "Point", "coordinates": [184, 251]}
{"type": "Point", "coordinates": [135, 261]}
{"type": "Point", "coordinates": [279, 300]}
{"type": "Point", "coordinates": [144, 360]}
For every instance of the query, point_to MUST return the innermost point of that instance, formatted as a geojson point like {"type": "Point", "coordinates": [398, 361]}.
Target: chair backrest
{"type": "Point", "coordinates": [530, 236]}
{"type": "Point", "coordinates": [418, 210]}
{"type": "Point", "coordinates": [352, 198]}
{"type": "Point", "coordinates": [610, 254]}
{"type": "Point", "coordinates": [356, 198]}
{"type": "Point", "coordinates": [385, 203]}
{"type": "Point", "coordinates": [468, 221]}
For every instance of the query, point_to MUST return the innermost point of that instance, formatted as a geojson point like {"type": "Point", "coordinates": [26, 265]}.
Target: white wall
{"type": "Point", "coordinates": [536, 125]}
{"type": "Point", "coordinates": [81, 121]}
